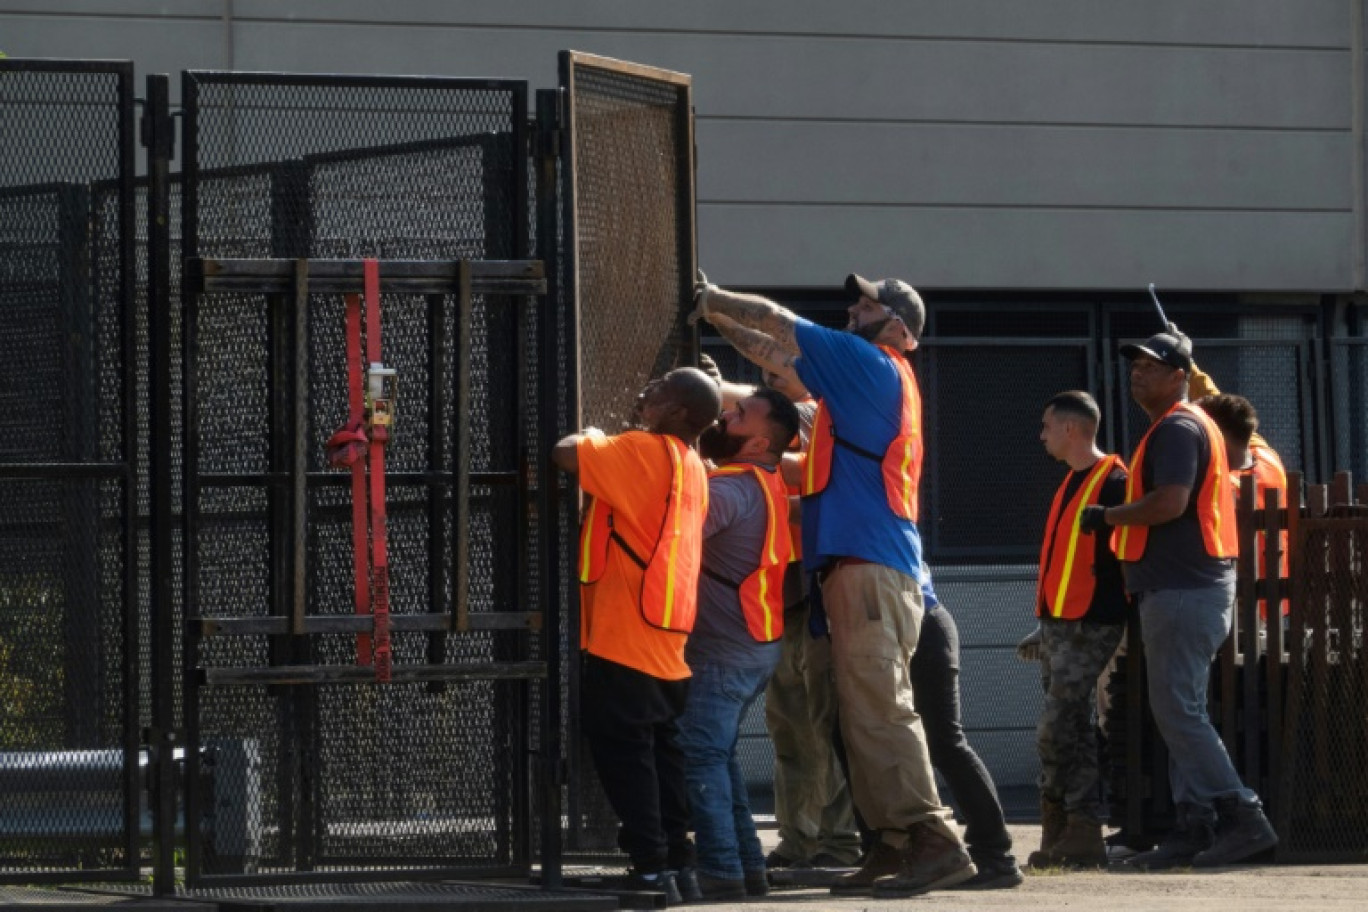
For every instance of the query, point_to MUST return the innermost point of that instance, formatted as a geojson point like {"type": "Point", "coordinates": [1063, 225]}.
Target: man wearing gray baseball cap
{"type": "Point", "coordinates": [859, 485]}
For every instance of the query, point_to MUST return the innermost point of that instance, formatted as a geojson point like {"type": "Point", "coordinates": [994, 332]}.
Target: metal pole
{"type": "Point", "coordinates": [159, 138]}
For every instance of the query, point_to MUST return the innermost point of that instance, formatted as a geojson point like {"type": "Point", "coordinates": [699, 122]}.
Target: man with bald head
{"type": "Point", "coordinates": [859, 533]}
{"type": "Point", "coordinates": [640, 552]}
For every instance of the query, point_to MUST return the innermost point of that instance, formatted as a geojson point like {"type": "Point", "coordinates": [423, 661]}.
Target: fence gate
{"type": "Point", "coordinates": [69, 480]}
{"type": "Point", "coordinates": [301, 760]}
{"type": "Point", "coordinates": [629, 260]}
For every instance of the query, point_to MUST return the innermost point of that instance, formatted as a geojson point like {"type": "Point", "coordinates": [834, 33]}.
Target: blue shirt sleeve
{"type": "Point", "coordinates": [857, 382]}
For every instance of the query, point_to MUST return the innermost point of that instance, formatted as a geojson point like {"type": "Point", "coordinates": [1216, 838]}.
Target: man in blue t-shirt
{"type": "Point", "coordinates": [860, 535]}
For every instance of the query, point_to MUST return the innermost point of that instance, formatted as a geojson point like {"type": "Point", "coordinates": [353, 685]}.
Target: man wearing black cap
{"type": "Point", "coordinates": [859, 531]}
{"type": "Point", "coordinates": [1175, 536]}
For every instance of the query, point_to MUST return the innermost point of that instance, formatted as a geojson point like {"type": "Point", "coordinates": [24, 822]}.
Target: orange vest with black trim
{"type": "Point", "coordinates": [1214, 496]}
{"type": "Point", "coordinates": [1067, 576]}
{"type": "Point", "coordinates": [762, 591]}
{"type": "Point", "coordinates": [669, 581]}
{"type": "Point", "coordinates": [1269, 474]}
{"type": "Point", "coordinates": [902, 460]}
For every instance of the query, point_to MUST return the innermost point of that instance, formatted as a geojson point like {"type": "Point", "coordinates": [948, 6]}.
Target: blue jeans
{"type": "Point", "coordinates": [724, 831]}
{"type": "Point", "coordinates": [1182, 631]}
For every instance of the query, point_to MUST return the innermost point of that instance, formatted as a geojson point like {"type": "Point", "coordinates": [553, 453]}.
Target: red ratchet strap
{"type": "Point", "coordinates": [356, 401]}
{"type": "Point", "coordinates": [370, 407]}
{"type": "Point", "coordinates": [380, 419]}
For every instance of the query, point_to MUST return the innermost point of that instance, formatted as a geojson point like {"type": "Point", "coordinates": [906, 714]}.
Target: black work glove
{"type": "Point", "coordinates": [1093, 519]}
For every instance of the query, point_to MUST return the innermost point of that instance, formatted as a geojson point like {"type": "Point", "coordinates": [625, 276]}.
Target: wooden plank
{"type": "Point", "coordinates": [352, 623]}
{"type": "Point", "coordinates": [332, 276]}
{"type": "Point", "coordinates": [360, 674]}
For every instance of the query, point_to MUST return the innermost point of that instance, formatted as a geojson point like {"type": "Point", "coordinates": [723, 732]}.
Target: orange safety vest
{"type": "Point", "coordinates": [1067, 575]}
{"type": "Point", "coordinates": [669, 581]}
{"type": "Point", "coordinates": [1269, 474]}
{"type": "Point", "coordinates": [1215, 500]}
{"type": "Point", "coordinates": [762, 591]}
{"type": "Point", "coordinates": [901, 461]}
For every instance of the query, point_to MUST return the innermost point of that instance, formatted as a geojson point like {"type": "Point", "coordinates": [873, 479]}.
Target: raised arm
{"type": "Point", "coordinates": [751, 312]}
{"type": "Point", "coordinates": [756, 347]}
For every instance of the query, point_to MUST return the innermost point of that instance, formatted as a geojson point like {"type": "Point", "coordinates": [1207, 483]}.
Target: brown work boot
{"type": "Point", "coordinates": [1052, 823]}
{"type": "Point", "coordinates": [931, 861]}
{"type": "Point", "coordinates": [1081, 846]}
{"type": "Point", "coordinates": [881, 861]}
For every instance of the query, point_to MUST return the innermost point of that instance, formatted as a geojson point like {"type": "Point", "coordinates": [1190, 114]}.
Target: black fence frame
{"type": "Point", "coordinates": [125, 470]}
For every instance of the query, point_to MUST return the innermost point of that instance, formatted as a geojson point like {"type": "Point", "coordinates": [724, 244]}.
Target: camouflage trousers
{"type": "Point", "coordinates": [1072, 655]}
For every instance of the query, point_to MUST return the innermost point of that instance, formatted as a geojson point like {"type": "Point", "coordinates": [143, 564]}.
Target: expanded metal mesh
{"type": "Point", "coordinates": [631, 263]}
{"type": "Point", "coordinates": [65, 573]}
{"type": "Point", "coordinates": [1323, 799]}
{"type": "Point", "coordinates": [397, 775]}
{"type": "Point", "coordinates": [1349, 373]}
{"type": "Point", "coordinates": [968, 488]}
{"type": "Point", "coordinates": [633, 231]}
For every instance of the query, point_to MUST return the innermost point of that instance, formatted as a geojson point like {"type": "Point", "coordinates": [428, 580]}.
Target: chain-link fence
{"type": "Point", "coordinates": [68, 561]}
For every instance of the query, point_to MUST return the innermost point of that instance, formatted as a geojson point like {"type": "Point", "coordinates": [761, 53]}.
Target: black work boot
{"type": "Point", "coordinates": [1192, 835]}
{"type": "Point", "coordinates": [1242, 831]}
{"type": "Point", "coordinates": [655, 882]}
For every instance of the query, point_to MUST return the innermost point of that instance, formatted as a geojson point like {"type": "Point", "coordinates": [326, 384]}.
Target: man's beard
{"type": "Point", "coordinates": [719, 446]}
{"type": "Point", "coordinates": [870, 331]}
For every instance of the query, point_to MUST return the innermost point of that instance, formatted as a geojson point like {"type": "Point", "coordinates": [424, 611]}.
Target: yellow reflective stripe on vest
{"type": "Point", "coordinates": [587, 541]}
{"type": "Point", "coordinates": [1104, 467]}
{"type": "Point", "coordinates": [676, 493]}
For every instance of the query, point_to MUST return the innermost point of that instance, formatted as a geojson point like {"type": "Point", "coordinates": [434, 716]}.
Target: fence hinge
{"type": "Point", "coordinates": [157, 131]}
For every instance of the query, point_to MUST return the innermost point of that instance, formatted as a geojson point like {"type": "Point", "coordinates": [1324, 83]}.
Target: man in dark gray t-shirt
{"type": "Point", "coordinates": [1175, 539]}
{"type": "Point", "coordinates": [734, 644]}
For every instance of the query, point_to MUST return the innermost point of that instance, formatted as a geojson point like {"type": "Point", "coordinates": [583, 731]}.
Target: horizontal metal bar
{"type": "Point", "coordinates": [628, 68]}
{"type": "Point", "coordinates": [63, 470]}
{"type": "Point", "coordinates": [341, 479]}
{"type": "Point", "coordinates": [362, 623]}
{"type": "Point", "coordinates": [361, 674]}
{"type": "Point", "coordinates": [336, 80]}
{"type": "Point", "coordinates": [207, 882]}
{"type": "Point", "coordinates": [276, 276]}
{"type": "Point", "coordinates": [1004, 341]}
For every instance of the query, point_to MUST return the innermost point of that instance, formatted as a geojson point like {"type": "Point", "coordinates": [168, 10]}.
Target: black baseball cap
{"type": "Point", "coordinates": [896, 295]}
{"type": "Point", "coordinates": [1175, 351]}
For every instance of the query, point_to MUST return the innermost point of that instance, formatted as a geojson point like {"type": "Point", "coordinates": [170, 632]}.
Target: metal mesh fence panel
{"type": "Point", "coordinates": [628, 250]}
{"type": "Point", "coordinates": [1349, 370]}
{"type": "Point", "coordinates": [1323, 798]}
{"type": "Point", "coordinates": [632, 235]}
{"type": "Point", "coordinates": [68, 740]}
{"type": "Point", "coordinates": [360, 775]}
{"type": "Point", "coordinates": [969, 489]}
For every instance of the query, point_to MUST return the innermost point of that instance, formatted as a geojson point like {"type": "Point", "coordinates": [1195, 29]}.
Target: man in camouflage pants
{"type": "Point", "coordinates": [1081, 603]}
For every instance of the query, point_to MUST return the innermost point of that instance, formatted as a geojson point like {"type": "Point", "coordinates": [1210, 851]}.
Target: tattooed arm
{"type": "Point", "coordinates": [756, 347]}
{"type": "Point", "coordinates": [752, 312]}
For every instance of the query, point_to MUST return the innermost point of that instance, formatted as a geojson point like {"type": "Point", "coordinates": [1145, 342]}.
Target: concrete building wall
{"type": "Point", "coordinates": [1065, 144]}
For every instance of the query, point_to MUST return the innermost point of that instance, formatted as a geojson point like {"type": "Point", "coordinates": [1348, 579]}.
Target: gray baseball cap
{"type": "Point", "coordinates": [896, 295]}
{"type": "Point", "coordinates": [1175, 351]}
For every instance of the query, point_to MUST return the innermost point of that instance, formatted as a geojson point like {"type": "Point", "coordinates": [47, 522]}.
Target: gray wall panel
{"type": "Point", "coordinates": [845, 78]}
{"type": "Point", "coordinates": [1308, 23]}
{"type": "Point", "coordinates": [1021, 248]}
{"type": "Point", "coordinates": [891, 164]}
{"type": "Point", "coordinates": [1062, 143]}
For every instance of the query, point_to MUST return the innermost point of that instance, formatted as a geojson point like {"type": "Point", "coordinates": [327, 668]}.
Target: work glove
{"type": "Point", "coordinates": [1028, 650]}
{"type": "Point", "coordinates": [1093, 519]}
